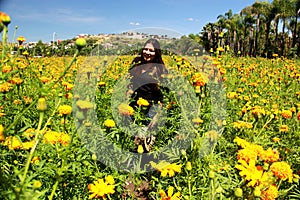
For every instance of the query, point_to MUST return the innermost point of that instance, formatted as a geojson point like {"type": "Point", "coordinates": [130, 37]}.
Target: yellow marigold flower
{"type": "Point", "coordinates": [241, 124]}
{"type": "Point", "coordinates": [29, 132]}
{"type": "Point", "coordinates": [35, 160]}
{"type": "Point", "coordinates": [125, 109]}
{"type": "Point", "coordinates": [232, 95]}
{"type": "Point", "coordinates": [169, 195]}
{"type": "Point", "coordinates": [5, 87]}
{"type": "Point", "coordinates": [6, 68]}
{"type": "Point", "coordinates": [53, 137]}
{"type": "Point", "coordinates": [109, 180]}
{"type": "Point", "coordinates": [269, 155]}
{"type": "Point", "coordinates": [250, 172]}
{"type": "Point", "coordinates": [101, 83]}
{"type": "Point", "coordinates": [276, 139]}
{"type": "Point", "coordinates": [287, 114]}
{"type": "Point", "coordinates": [28, 145]}
{"type": "Point", "coordinates": [282, 170]}
{"type": "Point", "coordinates": [21, 39]}
{"type": "Point", "coordinates": [284, 128]}
{"type": "Point", "coordinates": [2, 137]}
{"type": "Point", "coordinates": [84, 105]}
{"type": "Point", "coordinates": [241, 142]}
{"type": "Point", "coordinates": [142, 102]}
{"type": "Point", "coordinates": [109, 123]}
{"type": "Point", "coordinates": [166, 168]}
{"type": "Point", "coordinates": [12, 142]}
{"type": "Point", "coordinates": [270, 194]}
{"type": "Point", "coordinates": [257, 111]}
{"type": "Point", "coordinates": [64, 110]}
{"type": "Point", "coordinates": [247, 154]}
{"type": "Point", "coordinates": [101, 188]}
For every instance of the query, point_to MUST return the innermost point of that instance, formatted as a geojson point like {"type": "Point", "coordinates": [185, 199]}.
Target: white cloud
{"type": "Point", "coordinates": [134, 23]}
{"type": "Point", "coordinates": [190, 19]}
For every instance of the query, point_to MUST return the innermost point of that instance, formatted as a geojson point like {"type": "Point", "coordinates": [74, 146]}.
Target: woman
{"type": "Point", "coordinates": [146, 75]}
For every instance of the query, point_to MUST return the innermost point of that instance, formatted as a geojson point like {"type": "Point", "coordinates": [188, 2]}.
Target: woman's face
{"type": "Point", "coordinates": [149, 52]}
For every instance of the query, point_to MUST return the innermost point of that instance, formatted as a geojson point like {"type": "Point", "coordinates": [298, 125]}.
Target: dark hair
{"type": "Point", "coordinates": [158, 54]}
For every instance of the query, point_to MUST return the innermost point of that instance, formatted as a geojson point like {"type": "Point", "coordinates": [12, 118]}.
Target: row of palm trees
{"type": "Point", "coordinates": [261, 29]}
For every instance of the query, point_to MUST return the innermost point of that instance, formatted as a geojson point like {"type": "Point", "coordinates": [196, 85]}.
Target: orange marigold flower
{"type": "Point", "coordinates": [269, 155]}
{"type": "Point", "coordinates": [5, 87]}
{"type": "Point", "coordinates": [284, 128]}
{"type": "Point", "coordinates": [287, 114]}
{"type": "Point", "coordinates": [125, 109]}
{"type": "Point", "coordinates": [44, 79]}
{"type": "Point", "coordinates": [6, 69]}
{"type": "Point", "coordinates": [298, 115]}
{"type": "Point", "coordinates": [198, 79]}
{"type": "Point", "coordinates": [282, 170]}
{"type": "Point", "coordinates": [16, 81]}
{"type": "Point", "coordinates": [271, 193]}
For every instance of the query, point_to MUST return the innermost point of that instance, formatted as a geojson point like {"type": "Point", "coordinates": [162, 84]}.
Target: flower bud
{"type": "Point", "coordinates": [80, 42]}
{"type": "Point", "coordinates": [41, 105]}
{"type": "Point", "coordinates": [238, 192]}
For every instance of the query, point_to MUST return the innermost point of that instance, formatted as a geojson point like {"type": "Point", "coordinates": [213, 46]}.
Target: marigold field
{"type": "Point", "coordinates": [250, 153]}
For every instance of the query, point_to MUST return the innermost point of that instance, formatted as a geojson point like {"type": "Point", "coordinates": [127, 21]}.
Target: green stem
{"type": "Point", "coordinates": [4, 38]}
{"type": "Point", "coordinates": [36, 139]}
{"type": "Point", "coordinates": [54, 189]}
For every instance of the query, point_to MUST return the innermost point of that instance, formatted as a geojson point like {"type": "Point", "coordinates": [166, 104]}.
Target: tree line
{"type": "Point", "coordinates": [261, 29]}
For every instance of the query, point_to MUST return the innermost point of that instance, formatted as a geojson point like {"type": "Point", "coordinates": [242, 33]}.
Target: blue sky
{"type": "Point", "coordinates": [40, 19]}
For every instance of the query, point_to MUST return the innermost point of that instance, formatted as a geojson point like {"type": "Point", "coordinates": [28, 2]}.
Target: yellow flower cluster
{"type": "Point", "coordinates": [166, 168]}
{"type": "Point", "coordinates": [263, 179]}
{"type": "Point", "coordinates": [53, 137]}
{"type": "Point", "coordinates": [101, 188]}
{"type": "Point", "coordinates": [242, 124]}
